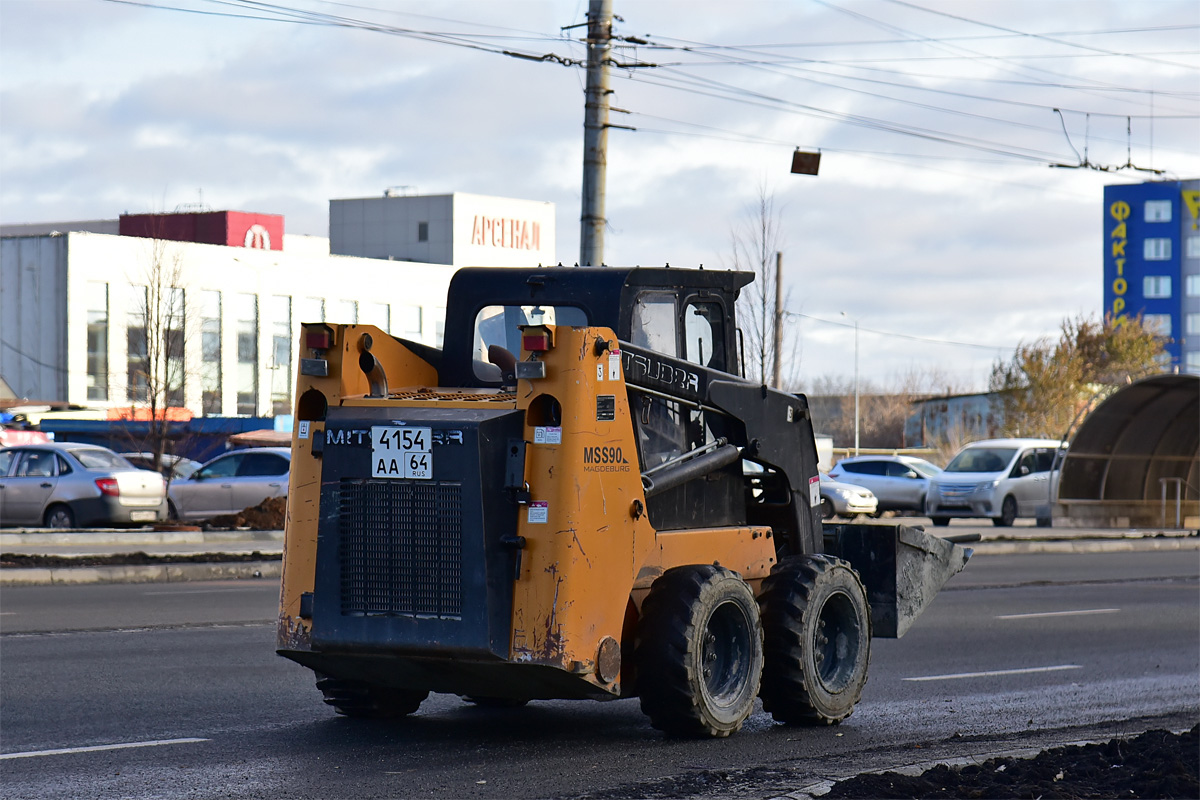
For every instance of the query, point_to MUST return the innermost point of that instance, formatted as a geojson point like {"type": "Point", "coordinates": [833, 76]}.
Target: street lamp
{"type": "Point", "coordinates": [847, 316]}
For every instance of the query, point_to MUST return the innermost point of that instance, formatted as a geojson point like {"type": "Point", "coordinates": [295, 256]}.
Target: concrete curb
{"type": "Point", "coordinates": [120, 538]}
{"type": "Point", "coordinates": [1084, 546]}
{"type": "Point", "coordinates": [142, 573]}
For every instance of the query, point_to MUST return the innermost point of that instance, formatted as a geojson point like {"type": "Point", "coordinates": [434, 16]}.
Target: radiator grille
{"type": "Point", "coordinates": [400, 544]}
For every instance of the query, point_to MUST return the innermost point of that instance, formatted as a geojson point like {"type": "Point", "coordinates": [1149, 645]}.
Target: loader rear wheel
{"type": "Point", "coordinates": [699, 652]}
{"type": "Point", "coordinates": [368, 701]}
{"type": "Point", "coordinates": [816, 640]}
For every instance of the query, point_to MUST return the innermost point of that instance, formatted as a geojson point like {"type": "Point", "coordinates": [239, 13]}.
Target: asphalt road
{"type": "Point", "coordinates": [1018, 651]}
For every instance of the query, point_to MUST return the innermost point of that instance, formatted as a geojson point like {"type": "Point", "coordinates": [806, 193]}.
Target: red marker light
{"type": "Point", "coordinates": [537, 341]}
{"type": "Point", "coordinates": [318, 340]}
{"type": "Point", "coordinates": [108, 486]}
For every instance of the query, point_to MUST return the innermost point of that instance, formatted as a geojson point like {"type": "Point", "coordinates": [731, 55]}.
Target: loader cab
{"type": "Point", "coordinates": [682, 313]}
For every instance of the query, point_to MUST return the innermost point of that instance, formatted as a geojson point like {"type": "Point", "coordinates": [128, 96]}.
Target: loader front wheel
{"type": "Point", "coordinates": [368, 701]}
{"type": "Point", "coordinates": [699, 652]}
{"type": "Point", "coordinates": [816, 640]}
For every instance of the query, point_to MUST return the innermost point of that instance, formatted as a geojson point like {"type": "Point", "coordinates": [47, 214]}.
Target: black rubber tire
{"type": "Point", "coordinates": [940, 522]}
{"type": "Point", "coordinates": [366, 701]}
{"type": "Point", "coordinates": [699, 652]}
{"type": "Point", "coordinates": [1008, 513]}
{"type": "Point", "coordinates": [816, 640]}
{"type": "Point", "coordinates": [827, 511]}
{"type": "Point", "coordinates": [1045, 522]}
{"type": "Point", "coordinates": [59, 516]}
{"type": "Point", "coordinates": [172, 511]}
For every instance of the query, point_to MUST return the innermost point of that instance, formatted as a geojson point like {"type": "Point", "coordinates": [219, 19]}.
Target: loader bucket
{"type": "Point", "coordinates": [902, 569]}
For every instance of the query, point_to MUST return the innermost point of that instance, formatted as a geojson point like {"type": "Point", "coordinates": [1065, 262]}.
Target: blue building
{"type": "Point", "coordinates": [1152, 262]}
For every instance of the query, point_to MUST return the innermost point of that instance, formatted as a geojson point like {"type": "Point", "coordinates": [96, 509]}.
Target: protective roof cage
{"type": "Point", "coordinates": [1138, 453]}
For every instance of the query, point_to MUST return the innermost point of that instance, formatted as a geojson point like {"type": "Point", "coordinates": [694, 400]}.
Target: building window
{"type": "Point", "coordinates": [410, 322]}
{"type": "Point", "coordinates": [377, 314]}
{"type": "Point", "coordinates": [1156, 249]}
{"type": "Point", "coordinates": [1158, 211]}
{"type": "Point", "coordinates": [173, 328]}
{"type": "Point", "coordinates": [246, 312]}
{"type": "Point", "coordinates": [281, 355]}
{"type": "Point", "coordinates": [1193, 325]}
{"type": "Point", "coordinates": [344, 312]}
{"type": "Point", "coordinates": [422, 231]}
{"type": "Point", "coordinates": [1193, 361]}
{"type": "Point", "coordinates": [1158, 324]}
{"type": "Point", "coordinates": [310, 309]}
{"type": "Point", "coordinates": [1193, 247]}
{"type": "Point", "coordinates": [1193, 285]}
{"type": "Point", "coordinates": [136, 357]}
{"type": "Point", "coordinates": [97, 340]}
{"type": "Point", "coordinates": [210, 351]}
{"type": "Point", "coordinates": [439, 326]}
{"type": "Point", "coordinates": [1156, 286]}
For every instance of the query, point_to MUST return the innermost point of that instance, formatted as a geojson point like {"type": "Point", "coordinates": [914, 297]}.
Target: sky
{"type": "Point", "coordinates": [937, 223]}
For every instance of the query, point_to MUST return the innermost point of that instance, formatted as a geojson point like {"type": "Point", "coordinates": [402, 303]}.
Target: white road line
{"type": "Point", "coordinates": [993, 673]}
{"type": "Point", "coordinates": [1061, 613]}
{"type": "Point", "coordinates": [98, 748]}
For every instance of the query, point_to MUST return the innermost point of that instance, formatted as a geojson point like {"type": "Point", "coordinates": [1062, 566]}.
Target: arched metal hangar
{"type": "Point", "coordinates": [1135, 455]}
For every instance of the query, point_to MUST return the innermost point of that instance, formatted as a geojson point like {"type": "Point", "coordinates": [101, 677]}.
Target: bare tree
{"type": "Point", "coordinates": [754, 245]}
{"type": "Point", "coordinates": [157, 345]}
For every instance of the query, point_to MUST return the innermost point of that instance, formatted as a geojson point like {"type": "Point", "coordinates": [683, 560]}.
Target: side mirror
{"type": "Point", "coordinates": [911, 474]}
{"type": "Point", "coordinates": [1024, 470]}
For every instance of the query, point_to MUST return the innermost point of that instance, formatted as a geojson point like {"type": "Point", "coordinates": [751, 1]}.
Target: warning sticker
{"type": "Point", "coordinates": [614, 365]}
{"type": "Point", "coordinates": [302, 429]}
{"type": "Point", "coordinates": [539, 512]}
{"type": "Point", "coordinates": [814, 490]}
{"type": "Point", "coordinates": [600, 372]}
{"type": "Point", "coordinates": [547, 435]}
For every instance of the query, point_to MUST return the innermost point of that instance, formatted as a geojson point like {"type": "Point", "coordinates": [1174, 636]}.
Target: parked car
{"type": "Point", "coordinates": [231, 482]}
{"type": "Point", "coordinates": [173, 467]}
{"type": "Point", "coordinates": [70, 485]}
{"type": "Point", "coordinates": [1001, 479]}
{"type": "Point", "coordinates": [845, 499]}
{"type": "Point", "coordinates": [899, 482]}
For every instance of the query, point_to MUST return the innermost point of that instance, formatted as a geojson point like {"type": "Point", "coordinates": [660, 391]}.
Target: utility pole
{"type": "Point", "coordinates": [778, 317]}
{"type": "Point", "coordinates": [595, 134]}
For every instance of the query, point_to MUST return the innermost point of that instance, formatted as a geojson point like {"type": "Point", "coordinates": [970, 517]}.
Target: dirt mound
{"type": "Point", "coordinates": [21, 561]}
{"type": "Point", "coordinates": [266, 516]}
{"type": "Point", "coordinates": [1157, 764]}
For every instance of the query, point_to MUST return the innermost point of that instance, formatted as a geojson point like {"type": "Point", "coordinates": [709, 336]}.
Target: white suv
{"type": "Point", "coordinates": [1001, 479]}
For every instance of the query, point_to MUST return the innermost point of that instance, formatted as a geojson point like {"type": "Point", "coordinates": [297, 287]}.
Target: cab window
{"type": "Point", "coordinates": [654, 323]}
{"type": "Point", "coordinates": [704, 334]}
{"type": "Point", "coordinates": [500, 326]}
{"type": "Point", "coordinates": [6, 459]}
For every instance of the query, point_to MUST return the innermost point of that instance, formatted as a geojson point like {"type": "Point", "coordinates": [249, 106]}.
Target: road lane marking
{"type": "Point", "coordinates": [97, 748]}
{"type": "Point", "coordinates": [1061, 613]}
{"type": "Point", "coordinates": [994, 673]}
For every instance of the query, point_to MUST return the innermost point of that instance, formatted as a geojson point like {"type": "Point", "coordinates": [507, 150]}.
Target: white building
{"type": "Point", "coordinates": [72, 305]}
{"type": "Point", "coordinates": [458, 229]}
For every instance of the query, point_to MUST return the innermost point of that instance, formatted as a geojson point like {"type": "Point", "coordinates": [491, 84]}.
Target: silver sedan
{"type": "Point", "coordinates": [231, 483]}
{"type": "Point", "coordinates": [70, 485]}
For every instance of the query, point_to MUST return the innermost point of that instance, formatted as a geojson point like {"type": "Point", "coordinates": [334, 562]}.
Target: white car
{"type": "Point", "coordinates": [845, 499]}
{"type": "Point", "coordinates": [999, 479]}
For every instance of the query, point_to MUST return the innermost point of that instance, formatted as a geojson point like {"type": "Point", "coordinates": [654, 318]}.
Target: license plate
{"type": "Point", "coordinates": [143, 516]}
{"type": "Point", "coordinates": [401, 452]}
